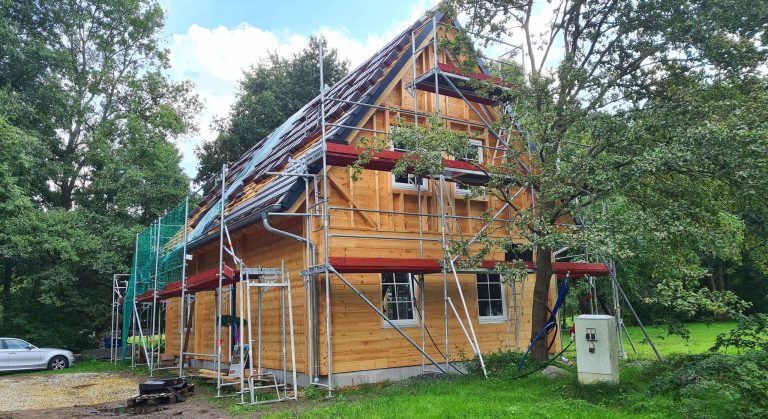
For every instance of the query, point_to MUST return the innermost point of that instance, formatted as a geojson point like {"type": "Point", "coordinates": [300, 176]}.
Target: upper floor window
{"type": "Point", "coordinates": [397, 298]}
{"type": "Point", "coordinates": [474, 156]}
{"type": "Point", "coordinates": [407, 181]}
{"type": "Point", "coordinates": [490, 298]}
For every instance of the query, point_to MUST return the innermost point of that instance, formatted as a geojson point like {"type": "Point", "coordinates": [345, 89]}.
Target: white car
{"type": "Point", "coordinates": [16, 354]}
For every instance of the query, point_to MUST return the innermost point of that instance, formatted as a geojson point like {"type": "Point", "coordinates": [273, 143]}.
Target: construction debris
{"type": "Point", "coordinates": [162, 390]}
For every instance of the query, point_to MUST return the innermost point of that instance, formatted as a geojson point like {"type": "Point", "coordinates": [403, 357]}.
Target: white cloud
{"type": "Point", "coordinates": [215, 58]}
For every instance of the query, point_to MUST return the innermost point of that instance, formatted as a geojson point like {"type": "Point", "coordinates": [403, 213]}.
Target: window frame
{"type": "Point", "coordinates": [480, 150]}
{"type": "Point", "coordinates": [411, 186]}
{"type": "Point", "coordinates": [484, 319]}
{"type": "Point", "coordinates": [412, 322]}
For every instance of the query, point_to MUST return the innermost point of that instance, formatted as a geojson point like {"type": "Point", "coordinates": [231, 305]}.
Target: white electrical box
{"type": "Point", "coordinates": [597, 355]}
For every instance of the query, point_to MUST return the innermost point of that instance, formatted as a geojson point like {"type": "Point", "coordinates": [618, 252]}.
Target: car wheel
{"type": "Point", "coordinates": [57, 363]}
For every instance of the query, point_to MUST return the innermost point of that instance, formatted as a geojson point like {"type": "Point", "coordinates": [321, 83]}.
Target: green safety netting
{"type": "Point", "coordinates": [157, 261]}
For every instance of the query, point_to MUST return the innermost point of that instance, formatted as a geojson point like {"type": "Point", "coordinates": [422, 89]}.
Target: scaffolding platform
{"type": "Point", "coordinates": [343, 155]}
{"type": "Point", "coordinates": [209, 280]}
{"type": "Point", "coordinates": [431, 266]}
{"type": "Point", "coordinates": [449, 75]}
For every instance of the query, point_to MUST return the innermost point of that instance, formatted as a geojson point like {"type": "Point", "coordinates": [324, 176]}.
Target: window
{"type": "Point", "coordinates": [408, 181]}
{"type": "Point", "coordinates": [475, 156]}
{"type": "Point", "coordinates": [517, 252]}
{"type": "Point", "coordinates": [397, 301]}
{"type": "Point", "coordinates": [15, 344]}
{"type": "Point", "coordinates": [490, 298]}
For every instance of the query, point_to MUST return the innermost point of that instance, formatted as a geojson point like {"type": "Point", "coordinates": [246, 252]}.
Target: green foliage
{"type": "Point", "coordinates": [314, 393]}
{"type": "Point", "coordinates": [751, 333]}
{"type": "Point", "coordinates": [270, 92]}
{"type": "Point", "coordinates": [87, 123]}
{"type": "Point", "coordinates": [501, 364]}
{"type": "Point", "coordinates": [643, 112]}
{"type": "Point", "coordinates": [717, 385]}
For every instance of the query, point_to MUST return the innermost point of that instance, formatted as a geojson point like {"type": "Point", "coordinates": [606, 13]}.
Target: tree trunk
{"type": "Point", "coordinates": [66, 195]}
{"type": "Point", "coordinates": [540, 308]}
{"type": "Point", "coordinates": [721, 276]}
{"type": "Point", "coordinates": [7, 279]}
{"type": "Point", "coordinates": [584, 303]}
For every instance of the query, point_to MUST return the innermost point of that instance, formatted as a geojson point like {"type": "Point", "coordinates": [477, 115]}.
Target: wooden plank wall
{"type": "Point", "coordinates": [360, 340]}
{"type": "Point", "coordinates": [257, 248]}
{"type": "Point", "coordinates": [172, 326]}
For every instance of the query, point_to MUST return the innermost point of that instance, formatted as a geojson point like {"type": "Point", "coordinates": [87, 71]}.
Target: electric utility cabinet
{"type": "Point", "coordinates": [597, 355]}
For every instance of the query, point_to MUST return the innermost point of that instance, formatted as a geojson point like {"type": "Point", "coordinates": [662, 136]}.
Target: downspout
{"type": "Point", "coordinates": [312, 282]}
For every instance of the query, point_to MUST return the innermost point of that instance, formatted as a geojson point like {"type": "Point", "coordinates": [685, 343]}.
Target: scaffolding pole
{"type": "Point", "coordinates": [219, 290]}
{"type": "Point", "coordinates": [182, 306]}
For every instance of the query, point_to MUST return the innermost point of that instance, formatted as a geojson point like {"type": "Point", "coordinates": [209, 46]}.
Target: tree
{"type": "Point", "coordinates": [270, 92]}
{"type": "Point", "coordinates": [87, 123]}
{"type": "Point", "coordinates": [599, 125]}
{"type": "Point", "coordinates": [93, 57]}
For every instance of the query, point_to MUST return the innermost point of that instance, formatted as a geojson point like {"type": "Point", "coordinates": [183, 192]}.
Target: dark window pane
{"type": "Point", "coordinates": [402, 278]}
{"type": "Point", "coordinates": [485, 308]}
{"type": "Point", "coordinates": [403, 293]}
{"type": "Point", "coordinates": [497, 309]}
{"type": "Point", "coordinates": [494, 278]}
{"type": "Point", "coordinates": [387, 278]}
{"type": "Point", "coordinates": [482, 291]}
{"type": "Point", "coordinates": [495, 291]}
{"type": "Point", "coordinates": [404, 311]}
{"type": "Point", "coordinates": [392, 311]}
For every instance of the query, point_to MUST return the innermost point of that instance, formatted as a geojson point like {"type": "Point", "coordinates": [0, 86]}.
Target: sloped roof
{"type": "Point", "coordinates": [364, 84]}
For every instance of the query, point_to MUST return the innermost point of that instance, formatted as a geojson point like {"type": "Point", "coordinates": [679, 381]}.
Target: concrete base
{"type": "Point", "coordinates": [346, 379]}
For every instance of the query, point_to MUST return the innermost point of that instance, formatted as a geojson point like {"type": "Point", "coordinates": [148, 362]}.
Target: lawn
{"type": "Point", "coordinates": [702, 337]}
{"type": "Point", "coordinates": [470, 396]}
{"type": "Point", "coordinates": [466, 396]}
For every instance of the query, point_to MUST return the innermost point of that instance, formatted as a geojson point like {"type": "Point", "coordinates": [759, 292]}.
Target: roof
{"type": "Point", "coordinates": [250, 189]}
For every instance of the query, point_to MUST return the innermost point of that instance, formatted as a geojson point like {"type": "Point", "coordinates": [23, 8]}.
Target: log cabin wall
{"type": "Point", "coordinates": [257, 247]}
{"type": "Point", "coordinates": [360, 340]}
{"type": "Point", "coordinates": [371, 207]}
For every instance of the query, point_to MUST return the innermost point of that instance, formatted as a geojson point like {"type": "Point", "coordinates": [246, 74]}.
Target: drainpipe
{"type": "Point", "coordinates": [312, 284]}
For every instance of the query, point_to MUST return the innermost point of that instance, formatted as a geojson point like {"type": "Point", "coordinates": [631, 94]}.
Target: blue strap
{"type": "Point", "coordinates": [552, 319]}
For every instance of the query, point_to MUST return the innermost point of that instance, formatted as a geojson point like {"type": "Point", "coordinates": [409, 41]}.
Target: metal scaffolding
{"type": "Point", "coordinates": [154, 247]}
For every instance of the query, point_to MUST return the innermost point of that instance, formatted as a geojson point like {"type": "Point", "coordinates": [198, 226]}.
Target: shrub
{"type": "Point", "coordinates": [718, 385]}
{"type": "Point", "coordinates": [751, 332]}
{"type": "Point", "coordinates": [501, 364]}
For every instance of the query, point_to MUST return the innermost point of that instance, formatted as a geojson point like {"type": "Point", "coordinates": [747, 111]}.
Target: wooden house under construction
{"type": "Point", "coordinates": [370, 296]}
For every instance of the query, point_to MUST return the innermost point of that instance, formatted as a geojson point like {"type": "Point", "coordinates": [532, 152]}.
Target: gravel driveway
{"type": "Point", "coordinates": [25, 391]}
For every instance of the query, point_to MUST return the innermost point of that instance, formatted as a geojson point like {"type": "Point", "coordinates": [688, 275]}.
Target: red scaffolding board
{"type": "Point", "coordinates": [145, 297]}
{"type": "Point", "coordinates": [209, 280]}
{"type": "Point", "coordinates": [427, 266]}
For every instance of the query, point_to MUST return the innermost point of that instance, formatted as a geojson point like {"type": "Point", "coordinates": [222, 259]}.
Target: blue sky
{"type": "Point", "coordinates": [293, 16]}
{"type": "Point", "coordinates": [212, 42]}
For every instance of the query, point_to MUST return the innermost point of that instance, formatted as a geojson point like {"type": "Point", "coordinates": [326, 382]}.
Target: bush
{"type": "Point", "coordinates": [751, 332]}
{"type": "Point", "coordinates": [717, 385]}
{"type": "Point", "coordinates": [501, 364]}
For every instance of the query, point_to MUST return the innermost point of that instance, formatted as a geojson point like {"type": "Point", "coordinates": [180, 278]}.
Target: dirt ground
{"type": "Point", "coordinates": [81, 395]}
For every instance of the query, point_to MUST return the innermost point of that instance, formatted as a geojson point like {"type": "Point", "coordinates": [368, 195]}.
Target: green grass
{"type": "Point", "coordinates": [467, 396]}
{"type": "Point", "coordinates": [88, 365]}
{"type": "Point", "coordinates": [702, 337]}
{"type": "Point", "coordinates": [532, 396]}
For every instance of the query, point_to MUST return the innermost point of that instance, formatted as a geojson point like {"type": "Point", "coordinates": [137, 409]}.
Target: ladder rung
{"type": "Point", "coordinates": [260, 271]}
